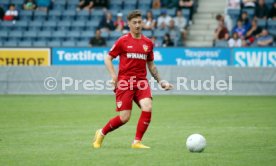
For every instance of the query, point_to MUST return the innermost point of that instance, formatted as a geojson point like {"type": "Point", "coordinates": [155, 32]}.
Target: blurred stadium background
{"type": "Point", "coordinates": [195, 39]}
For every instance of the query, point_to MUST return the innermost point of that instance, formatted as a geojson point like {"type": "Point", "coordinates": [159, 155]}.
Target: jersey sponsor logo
{"type": "Point", "coordinates": [129, 46]}
{"type": "Point", "coordinates": [136, 56]}
{"type": "Point", "coordinates": [145, 47]}
{"type": "Point", "coordinates": [119, 104]}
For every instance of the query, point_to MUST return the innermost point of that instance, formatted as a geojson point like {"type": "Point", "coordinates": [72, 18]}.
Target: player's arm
{"type": "Point", "coordinates": [155, 74]}
{"type": "Point", "coordinates": [111, 70]}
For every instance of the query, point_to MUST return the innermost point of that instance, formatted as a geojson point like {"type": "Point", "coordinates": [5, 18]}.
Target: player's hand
{"type": "Point", "coordinates": [166, 86]}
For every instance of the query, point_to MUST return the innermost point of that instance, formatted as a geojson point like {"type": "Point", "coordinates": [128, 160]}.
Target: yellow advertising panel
{"type": "Point", "coordinates": [25, 57]}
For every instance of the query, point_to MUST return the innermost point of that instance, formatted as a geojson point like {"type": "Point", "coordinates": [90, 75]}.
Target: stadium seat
{"type": "Point", "coordinates": [54, 15]}
{"type": "Point", "coordinates": [25, 44]}
{"type": "Point", "coordinates": [40, 15]}
{"type": "Point", "coordinates": [64, 25]}
{"type": "Point", "coordinates": [44, 35]}
{"type": "Point", "coordinates": [4, 35]}
{"type": "Point", "coordinates": [116, 5]}
{"type": "Point", "coordinates": [130, 5]}
{"type": "Point", "coordinates": [72, 4]}
{"type": "Point", "coordinates": [97, 14]}
{"type": "Point", "coordinates": [92, 25]}
{"type": "Point", "coordinates": [54, 44]}
{"type": "Point", "coordinates": [18, 3]}
{"type": "Point", "coordinates": [83, 15]}
{"type": "Point", "coordinates": [83, 44]}
{"type": "Point", "coordinates": [26, 15]}
{"type": "Point", "coordinates": [147, 33]}
{"type": "Point", "coordinates": [59, 5]}
{"type": "Point", "coordinates": [21, 25]}
{"type": "Point", "coordinates": [49, 25]}
{"type": "Point", "coordinates": [109, 43]}
{"type": "Point", "coordinates": [68, 44]}
{"type": "Point", "coordinates": [115, 35]}
{"type": "Point", "coordinates": [5, 3]}
{"type": "Point", "coordinates": [74, 35]}
{"type": "Point", "coordinates": [233, 13]}
{"type": "Point", "coordinates": [30, 35]}
{"type": "Point", "coordinates": [35, 25]}
{"type": "Point", "coordinates": [262, 23]}
{"type": "Point", "coordinates": [144, 5]}
{"type": "Point", "coordinates": [78, 25]}
{"type": "Point", "coordinates": [221, 43]}
{"type": "Point", "coordinates": [159, 33]}
{"type": "Point", "coordinates": [16, 35]}
{"type": "Point", "coordinates": [172, 12]}
{"type": "Point", "coordinates": [10, 43]}
{"type": "Point", "coordinates": [87, 35]}
{"type": "Point", "coordinates": [59, 35]}
{"type": "Point", "coordinates": [156, 13]}
{"type": "Point", "coordinates": [40, 44]}
{"type": "Point", "coordinates": [69, 15]}
{"type": "Point", "coordinates": [271, 24]}
{"type": "Point", "coordinates": [7, 26]}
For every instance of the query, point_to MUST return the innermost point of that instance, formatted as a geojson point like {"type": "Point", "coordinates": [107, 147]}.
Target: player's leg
{"type": "Point", "coordinates": [144, 101]}
{"type": "Point", "coordinates": [124, 107]}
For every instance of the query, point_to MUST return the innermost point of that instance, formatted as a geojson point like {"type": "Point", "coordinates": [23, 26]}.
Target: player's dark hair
{"type": "Point", "coordinates": [134, 14]}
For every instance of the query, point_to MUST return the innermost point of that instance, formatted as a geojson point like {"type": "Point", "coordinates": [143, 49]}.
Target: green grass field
{"type": "Point", "coordinates": [57, 130]}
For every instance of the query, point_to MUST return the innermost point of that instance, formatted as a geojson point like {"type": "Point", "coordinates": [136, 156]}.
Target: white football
{"type": "Point", "coordinates": [196, 143]}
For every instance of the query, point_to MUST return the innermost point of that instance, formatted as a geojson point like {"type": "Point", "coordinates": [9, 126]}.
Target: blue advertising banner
{"type": "Point", "coordinates": [79, 56]}
{"type": "Point", "coordinates": [254, 57]}
{"type": "Point", "coordinates": [193, 56]}
{"type": "Point", "coordinates": [163, 56]}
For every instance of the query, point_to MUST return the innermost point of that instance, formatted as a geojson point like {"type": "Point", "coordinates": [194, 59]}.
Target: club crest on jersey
{"type": "Point", "coordinates": [145, 47]}
{"type": "Point", "coordinates": [119, 104]}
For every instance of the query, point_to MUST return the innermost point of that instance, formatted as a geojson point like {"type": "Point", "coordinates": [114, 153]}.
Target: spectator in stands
{"type": "Point", "coordinates": [101, 4]}
{"type": "Point", "coordinates": [119, 23]}
{"type": "Point", "coordinates": [156, 4]}
{"type": "Point", "coordinates": [180, 21]}
{"type": "Point", "coordinates": [167, 42]}
{"type": "Point", "coordinates": [163, 20]}
{"type": "Point", "coordinates": [227, 22]}
{"type": "Point", "coordinates": [272, 12]}
{"type": "Point", "coordinates": [107, 24]}
{"type": "Point", "coordinates": [187, 4]}
{"type": "Point", "coordinates": [43, 5]}
{"type": "Point", "coordinates": [221, 32]}
{"type": "Point", "coordinates": [149, 22]}
{"type": "Point", "coordinates": [11, 14]}
{"type": "Point", "coordinates": [29, 5]}
{"type": "Point", "coordinates": [2, 13]}
{"type": "Point", "coordinates": [239, 29]}
{"type": "Point", "coordinates": [174, 32]}
{"type": "Point", "coordinates": [234, 4]}
{"type": "Point", "coordinates": [248, 3]}
{"type": "Point", "coordinates": [98, 40]}
{"type": "Point", "coordinates": [85, 5]}
{"type": "Point", "coordinates": [253, 33]}
{"type": "Point", "coordinates": [261, 10]}
{"type": "Point", "coordinates": [155, 41]}
{"type": "Point", "coordinates": [235, 41]}
{"type": "Point", "coordinates": [245, 19]}
{"type": "Point", "coordinates": [265, 39]}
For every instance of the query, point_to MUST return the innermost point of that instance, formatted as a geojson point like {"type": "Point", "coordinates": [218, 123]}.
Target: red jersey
{"type": "Point", "coordinates": [134, 54]}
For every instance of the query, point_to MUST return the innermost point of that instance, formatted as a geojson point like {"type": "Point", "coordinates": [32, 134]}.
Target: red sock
{"type": "Point", "coordinates": [113, 124]}
{"type": "Point", "coordinates": [142, 125]}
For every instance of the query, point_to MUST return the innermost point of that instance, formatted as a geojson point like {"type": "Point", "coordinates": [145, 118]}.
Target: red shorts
{"type": "Point", "coordinates": [125, 96]}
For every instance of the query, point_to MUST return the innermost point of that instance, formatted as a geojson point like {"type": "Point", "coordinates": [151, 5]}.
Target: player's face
{"type": "Point", "coordinates": [135, 25]}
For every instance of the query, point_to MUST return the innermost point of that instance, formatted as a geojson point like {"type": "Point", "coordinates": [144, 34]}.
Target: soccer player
{"type": "Point", "coordinates": [136, 52]}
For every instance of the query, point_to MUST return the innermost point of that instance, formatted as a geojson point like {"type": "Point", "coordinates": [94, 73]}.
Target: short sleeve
{"type": "Point", "coordinates": [151, 55]}
{"type": "Point", "coordinates": [116, 49]}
